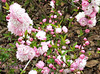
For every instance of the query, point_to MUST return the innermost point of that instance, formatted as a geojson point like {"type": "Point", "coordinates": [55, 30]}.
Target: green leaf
{"type": "Point", "coordinates": [65, 52]}
{"type": "Point", "coordinates": [50, 61]}
{"type": "Point", "coordinates": [26, 32]}
{"type": "Point", "coordinates": [81, 33]}
{"type": "Point", "coordinates": [49, 51]}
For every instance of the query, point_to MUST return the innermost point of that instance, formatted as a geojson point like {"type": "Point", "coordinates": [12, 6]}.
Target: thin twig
{"type": "Point", "coordinates": [27, 64]}
{"type": "Point", "coordinates": [3, 30]}
{"type": "Point", "coordinates": [40, 8]}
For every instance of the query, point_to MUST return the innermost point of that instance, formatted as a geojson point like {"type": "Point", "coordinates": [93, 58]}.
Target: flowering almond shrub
{"type": "Point", "coordinates": [50, 40]}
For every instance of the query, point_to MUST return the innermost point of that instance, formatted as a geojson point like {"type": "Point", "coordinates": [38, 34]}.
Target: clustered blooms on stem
{"type": "Point", "coordinates": [46, 40]}
{"type": "Point", "coordinates": [79, 63]}
{"type": "Point", "coordinates": [88, 16]}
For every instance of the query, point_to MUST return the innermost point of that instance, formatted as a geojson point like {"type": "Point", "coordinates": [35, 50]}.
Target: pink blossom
{"type": "Point", "coordinates": [41, 23]}
{"type": "Point", "coordinates": [55, 16]}
{"type": "Point", "coordinates": [52, 72]}
{"type": "Point", "coordinates": [18, 21]}
{"type": "Point", "coordinates": [90, 21]}
{"type": "Point", "coordinates": [49, 27]}
{"type": "Point", "coordinates": [52, 33]}
{"type": "Point", "coordinates": [33, 72]}
{"type": "Point", "coordinates": [88, 9]}
{"type": "Point", "coordinates": [93, 14]}
{"type": "Point", "coordinates": [40, 64]}
{"type": "Point", "coordinates": [64, 29]}
{"type": "Point", "coordinates": [67, 41]}
{"type": "Point", "coordinates": [61, 70]}
{"type": "Point", "coordinates": [72, 69]}
{"type": "Point", "coordinates": [93, 22]}
{"type": "Point", "coordinates": [52, 4]}
{"type": "Point", "coordinates": [4, 1]}
{"type": "Point", "coordinates": [60, 14]}
{"type": "Point", "coordinates": [66, 71]}
{"type": "Point", "coordinates": [51, 65]}
{"type": "Point", "coordinates": [45, 70]}
{"type": "Point", "coordinates": [82, 56]}
{"type": "Point", "coordinates": [54, 57]}
{"type": "Point", "coordinates": [85, 3]}
{"type": "Point", "coordinates": [58, 30]}
{"type": "Point", "coordinates": [55, 21]}
{"type": "Point", "coordinates": [50, 21]}
{"type": "Point", "coordinates": [25, 52]}
{"type": "Point", "coordinates": [83, 21]}
{"type": "Point", "coordinates": [83, 51]}
{"type": "Point", "coordinates": [51, 16]}
{"type": "Point", "coordinates": [98, 49]}
{"type": "Point", "coordinates": [44, 20]}
{"type": "Point", "coordinates": [20, 39]}
{"type": "Point", "coordinates": [87, 31]}
{"type": "Point", "coordinates": [31, 39]}
{"type": "Point", "coordinates": [28, 42]}
{"type": "Point", "coordinates": [63, 47]}
{"type": "Point", "coordinates": [87, 42]}
{"type": "Point", "coordinates": [77, 46]}
{"type": "Point", "coordinates": [78, 72]}
{"type": "Point", "coordinates": [85, 39]}
{"type": "Point", "coordinates": [59, 11]}
{"type": "Point", "coordinates": [41, 35]}
{"type": "Point", "coordinates": [44, 48]}
{"type": "Point", "coordinates": [79, 63]}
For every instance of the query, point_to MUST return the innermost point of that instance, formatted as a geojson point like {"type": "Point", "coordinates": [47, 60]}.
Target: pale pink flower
{"type": "Point", "coordinates": [33, 72]}
{"type": "Point", "coordinates": [51, 65]}
{"type": "Point", "coordinates": [83, 21]}
{"type": "Point", "coordinates": [97, 2]}
{"type": "Point", "coordinates": [84, 4]}
{"type": "Point", "coordinates": [41, 35]}
{"type": "Point", "coordinates": [93, 22]}
{"type": "Point", "coordinates": [88, 9]}
{"type": "Point", "coordinates": [25, 52]}
{"type": "Point", "coordinates": [67, 41]}
{"type": "Point", "coordinates": [66, 71]}
{"type": "Point", "coordinates": [64, 29]}
{"type": "Point", "coordinates": [4, 1]}
{"type": "Point", "coordinates": [61, 70]}
{"type": "Point", "coordinates": [82, 51]}
{"type": "Point", "coordinates": [79, 16]}
{"type": "Point", "coordinates": [40, 64]}
{"type": "Point", "coordinates": [55, 16]}
{"type": "Point", "coordinates": [63, 47]}
{"type": "Point", "coordinates": [87, 31]}
{"type": "Point", "coordinates": [52, 16]}
{"type": "Point", "coordinates": [78, 64]}
{"type": "Point", "coordinates": [44, 48]}
{"type": "Point", "coordinates": [58, 30]}
{"type": "Point", "coordinates": [52, 4]}
{"type": "Point", "coordinates": [85, 39]}
{"type": "Point", "coordinates": [98, 49]}
{"type": "Point", "coordinates": [44, 20]}
{"type": "Point", "coordinates": [50, 21]}
{"type": "Point", "coordinates": [18, 20]}
{"type": "Point", "coordinates": [87, 43]}
{"type": "Point", "coordinates": [45, 70]}
{"type": "Point", "coordinates": [49, 27]}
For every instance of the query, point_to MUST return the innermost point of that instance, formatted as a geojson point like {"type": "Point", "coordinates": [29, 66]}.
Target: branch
{"type": "Point", "coordinates": [40, 8]}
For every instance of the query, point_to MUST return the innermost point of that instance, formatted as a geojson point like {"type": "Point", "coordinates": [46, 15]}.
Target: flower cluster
{"type": "Point", "coordinates": [50, 39]}
{"type": "Point", "coordinates": [88, 16]}
{"type": "Point", "coordinates": [18, 20]}
{"type": "Point", "coordinates": [24, 52]}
